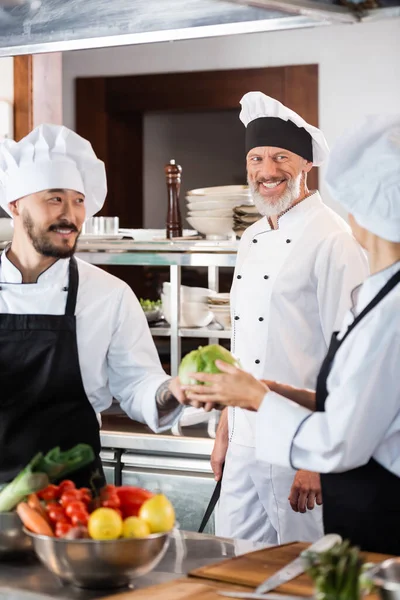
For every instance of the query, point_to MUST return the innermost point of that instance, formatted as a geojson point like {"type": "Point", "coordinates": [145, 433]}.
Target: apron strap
{"type": "Point", "coordinates": [72, 287]}
{"type": "Point", "coordinates": [393, 281]}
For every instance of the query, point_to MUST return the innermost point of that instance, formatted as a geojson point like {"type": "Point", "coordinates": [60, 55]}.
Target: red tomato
{"type": "Point", "coordinates": [65, 485]}
{"type": "Point", "coordinates": [111, 502]}
{"type": "Point", "coordinates": [49, 493]}
{"type": "Point", "coordinates": [75, 506]}
{"type": "Point", "coordinates": [62, 529]}
{"type": "Point", "coordinates": [68, 497]}
{"type": "Point", "coordinates": [57, 514]}
{"type": "Point", "coordinates": [80, 518]}
{"type": "Point", "coordinates": [109, 497]}
{"type": "Point", "coordinates": [131, 499]}
{"type": "Point", "coordinates": [108, 488]}
{"type": "Point", "coordinates": [85, 495]}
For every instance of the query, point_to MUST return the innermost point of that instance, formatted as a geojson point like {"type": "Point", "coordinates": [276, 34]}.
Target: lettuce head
{"type": "Point", "coordinates": [203, 360]}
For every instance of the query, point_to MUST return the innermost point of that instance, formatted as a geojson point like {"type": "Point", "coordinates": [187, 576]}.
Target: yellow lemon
{"type": "Point", "coordinates": [133, 527]}
{"type": "Point", "coordinates": [105, 524]}
{"type": "Point", "coordinates": [158, 513]}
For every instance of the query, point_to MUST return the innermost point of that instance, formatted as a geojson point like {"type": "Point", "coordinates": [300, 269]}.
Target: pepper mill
{"type": "Point", "coordinates": [174, 222]}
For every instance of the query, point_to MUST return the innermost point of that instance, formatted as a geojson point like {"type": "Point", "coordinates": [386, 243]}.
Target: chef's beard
{"type": "Point", "coordinates": [40, 241]}
{"type": "Point", "coordinates": [285, 201]}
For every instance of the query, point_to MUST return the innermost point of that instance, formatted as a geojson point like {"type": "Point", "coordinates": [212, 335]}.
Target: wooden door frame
{"type": "Point", "coordinates": [37, 91]}
{"type": "Point", "coordinates": [109, 112]}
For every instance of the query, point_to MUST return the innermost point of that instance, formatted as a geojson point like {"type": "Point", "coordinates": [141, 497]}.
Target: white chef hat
{"type": "Point", "coordinates": [270, 123]}
{"type": "Point", "coordinates": [51, 157]}
{"type": "Point", "coordinates": [364, 175]}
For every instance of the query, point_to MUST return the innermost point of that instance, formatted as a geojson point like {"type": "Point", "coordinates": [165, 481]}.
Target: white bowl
{"type": "Point", "coordinates": [220, 189]}
{"type": "Point", "coordinates": [193, 314]}
{"type": "Point", "coordinates": [222, 315]}
{"type": "Point", "coordinates": [190, 294]}
{"type": "Point", "coordinates": [218, 212]}
{"type": "Point", "coordinates": [212, 225]}
{"type": "Point", "coordinates": [6, 230]}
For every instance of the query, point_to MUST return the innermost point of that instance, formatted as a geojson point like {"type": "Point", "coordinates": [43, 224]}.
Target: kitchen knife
{"type": "Point", "coordinates": [262, 596]}
{"type": "Point", "coordinates": [292, 570]}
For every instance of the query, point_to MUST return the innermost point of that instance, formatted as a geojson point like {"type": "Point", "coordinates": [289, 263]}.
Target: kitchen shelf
{"type": "Point", "coordinates": [194, 332]}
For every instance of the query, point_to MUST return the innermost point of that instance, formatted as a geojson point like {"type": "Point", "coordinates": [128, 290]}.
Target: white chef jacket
{"type": "Point", "coordinates": [291, 290]}
{"type": "Point", "coordinates": [116, 352]}
{"type": "Point", "coordinates": [362, 411]}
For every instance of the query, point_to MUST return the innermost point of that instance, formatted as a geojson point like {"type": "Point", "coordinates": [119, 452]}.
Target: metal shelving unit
{"type": "Point", "coordinates": [175, 254]}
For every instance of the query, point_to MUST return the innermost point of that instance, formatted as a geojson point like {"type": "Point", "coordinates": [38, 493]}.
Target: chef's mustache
{"type": "Point", "coordinates": [63, 225]}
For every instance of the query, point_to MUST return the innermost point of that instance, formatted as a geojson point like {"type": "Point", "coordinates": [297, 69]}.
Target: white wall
{"type": "Point", "coordinates": [359, 66]}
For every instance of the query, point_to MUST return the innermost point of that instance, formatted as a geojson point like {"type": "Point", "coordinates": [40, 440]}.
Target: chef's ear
{"type": "Point", "coordinates": [13, 206]}
{"type": "Point", "coordinates": [308, 165]}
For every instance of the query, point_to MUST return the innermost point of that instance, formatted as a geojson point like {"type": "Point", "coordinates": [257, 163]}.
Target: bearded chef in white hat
{"type": "Point", "coordinates": [72, 336]}
{"type": "Point", "coordinates": [294, 272]}
{"type": "Point", "coordinates": [349, 429]}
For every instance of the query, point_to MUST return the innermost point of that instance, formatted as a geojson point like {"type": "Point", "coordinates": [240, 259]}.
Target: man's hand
{"type": "Point", "coordinates": [305, 491]}
{"type": "Point", "coordinates": [220, 446]}
{"type": "Point", "coordinates": [176, 390]}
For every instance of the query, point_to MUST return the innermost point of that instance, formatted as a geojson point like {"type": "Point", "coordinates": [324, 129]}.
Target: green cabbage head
{"type": "Point", "coordinates": [203, 360]}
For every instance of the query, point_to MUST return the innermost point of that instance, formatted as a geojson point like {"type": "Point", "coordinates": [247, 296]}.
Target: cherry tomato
{"type": "Point", "coordinates": [49, 493]}
{"type": "Point", "coordinates": [62, 529]}
{"type": "Point", "coordinates": [85, 495]}
{"type": "Point", "coordinates": [108, 488]}
{"type": "Point", "coordinates": [111, 502]}
{"type": "Point", "coordinates": [57, 515]}
{"type": "Point", "coordinates": [80, 518]}
{"type": "Point", "coordinates": [109, 497]}
{"type": "Point", "coordinates": [65, 485]}
{"type": "Point", "coordinates": [68, 497]}
{"type": "Point", "coordinates": [76, 506]}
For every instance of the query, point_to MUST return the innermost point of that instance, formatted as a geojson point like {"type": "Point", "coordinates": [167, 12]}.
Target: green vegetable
{"type": "Point", "coordinates": [337, 573]}
{"type": "Point", "coordinates": [25, 483]}
{"type": "Point", "coordinates": [41, 469]}
{"type": "Point", "coordinates": [203, 360]}
{"type": "Point", "coordinates": [149, 305]}
{"type": "Point", "coordinates": [57, 464]}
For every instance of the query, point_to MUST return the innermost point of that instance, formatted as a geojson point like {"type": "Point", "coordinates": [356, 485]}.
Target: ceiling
{"type": "Point", "coordinates": [31, 26]}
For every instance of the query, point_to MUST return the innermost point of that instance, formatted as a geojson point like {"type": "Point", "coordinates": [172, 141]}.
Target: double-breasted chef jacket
{"type": "Point", "coordinates": [291, 290]}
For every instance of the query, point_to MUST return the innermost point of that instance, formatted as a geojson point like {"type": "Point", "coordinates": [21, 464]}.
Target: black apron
{"type": "Point", "coordinates": [363, 504]}
{"type": "Point", "coordinates": [43, 403]}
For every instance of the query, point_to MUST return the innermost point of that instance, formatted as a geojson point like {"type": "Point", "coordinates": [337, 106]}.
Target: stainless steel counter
{"type": "Point", "coordinates": [186, 551]}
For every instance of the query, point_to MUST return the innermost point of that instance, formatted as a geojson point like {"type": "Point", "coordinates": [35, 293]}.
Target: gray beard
{"type": "Point", "coordinates": [285, 201]}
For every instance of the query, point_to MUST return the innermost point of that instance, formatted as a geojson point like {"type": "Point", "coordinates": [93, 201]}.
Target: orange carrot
{"type": "Point", "coordinates": [35, 503]}
{"type": "Point", "coordinates": [33, 520]}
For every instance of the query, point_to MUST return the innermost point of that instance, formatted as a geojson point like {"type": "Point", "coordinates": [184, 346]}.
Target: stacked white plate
{"type": "Point", "coordinates": [210, 210]}
{"type": "Point", "coordinates": [219, 305]}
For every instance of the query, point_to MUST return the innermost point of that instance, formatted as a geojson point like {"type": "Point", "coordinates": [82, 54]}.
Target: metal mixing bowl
{"type": "Point", "coordinates": [100, 564]}
{"type": "Point", "coordinates": [386, 578]}
{"type": "Point", "coordinates": [13, 540]}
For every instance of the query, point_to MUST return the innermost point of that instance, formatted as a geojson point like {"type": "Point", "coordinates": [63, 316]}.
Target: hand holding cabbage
{"type": "Point", "coordinates": [210, 376]}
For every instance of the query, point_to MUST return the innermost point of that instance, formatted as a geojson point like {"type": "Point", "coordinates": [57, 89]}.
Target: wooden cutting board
{"type": "Point", "coordinates": [253, 568]}
{"type": "Point", "coordinates": [179, 589]}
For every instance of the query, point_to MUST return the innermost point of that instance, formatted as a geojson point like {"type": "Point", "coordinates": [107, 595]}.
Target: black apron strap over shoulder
{"type": "Point", "coordinates": [72, 287]}
{"type": "Point", "coordinates": [388, 287]}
